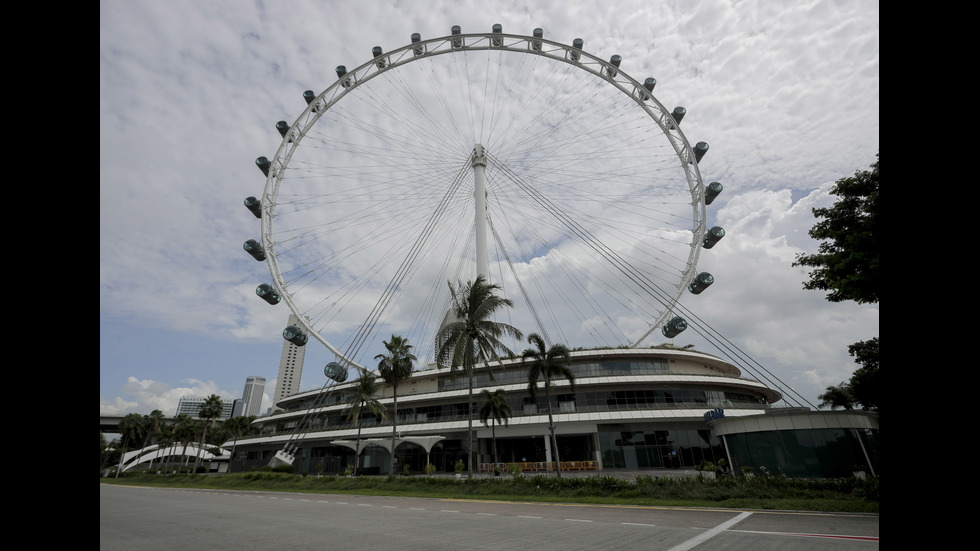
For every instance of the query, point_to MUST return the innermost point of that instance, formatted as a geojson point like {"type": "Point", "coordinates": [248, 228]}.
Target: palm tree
{"type": "Point", "coordinates": [185, 429]}
{"type": "Point", "coordinates": [154, 425]}
{"type": "Point", "coordinates": [547, 364]}
{"type": "Point", "coordinates": [473, 337]}
{"type": "Point", "coordinates": [362, 400]}
{"type": "Point", "coordinates": [395, 367]}
{"type": "Point", "coordinates": [236, 427]}
{"type": "Point", "coordinates": [495, 408]}
{"type": "Point", "coordinates": [132, 428]}
{"type": "Point", "coordinates": [211, 410]}
{"type": "Point", "coordinates": [839, 396]}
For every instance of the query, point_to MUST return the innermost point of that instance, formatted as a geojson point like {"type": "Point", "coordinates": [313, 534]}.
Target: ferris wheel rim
{"type": "Point", "coordinates": [456, 43]}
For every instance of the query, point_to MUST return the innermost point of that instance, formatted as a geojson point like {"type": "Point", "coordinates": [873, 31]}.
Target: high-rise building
{"type": "Point", "coordinates": [252, 396]}
{"type": "Point", "coordinates": [192, 406]}
{"type": "Point", "coordinates": [290, 368]}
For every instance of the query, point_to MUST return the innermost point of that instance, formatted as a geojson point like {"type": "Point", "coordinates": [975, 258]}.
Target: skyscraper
{"type": "Point", "coordinates": [290, 367]}
{"type": "Point", "coordinates": [252, 396]}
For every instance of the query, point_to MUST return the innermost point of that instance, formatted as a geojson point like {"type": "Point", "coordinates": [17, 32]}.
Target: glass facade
{"type": "Point", "coordinates": [647, 447]}
{"type": "Point", "coordinates": [814, 453]}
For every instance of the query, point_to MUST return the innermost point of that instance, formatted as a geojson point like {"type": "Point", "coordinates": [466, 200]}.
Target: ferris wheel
{"type": "Point", "coordinates": [546, 169]}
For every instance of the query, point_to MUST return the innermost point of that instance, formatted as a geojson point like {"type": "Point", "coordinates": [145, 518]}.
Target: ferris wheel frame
{"type": "Point", "coordinates": [421, 49]}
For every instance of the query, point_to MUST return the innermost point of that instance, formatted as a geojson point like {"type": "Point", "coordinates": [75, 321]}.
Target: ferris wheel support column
{"type": "Point", "coordinates": [480, 200]}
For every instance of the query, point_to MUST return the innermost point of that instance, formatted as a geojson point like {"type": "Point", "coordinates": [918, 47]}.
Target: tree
{"type": "Point", "coordinates": [363, 400]}
{"type": "Point", "coordinates": [154, 423]}
{"type": "Point", "coordinates": [236, 427]}
{"type": "Point", "coordinates": [395, 367]}
{"type": "Point", "coordinates": [473, 337]}
{"type": "Point", "coordinates": [846, 265]}
{"type": "Point", "coordinates": [846, 262]}
{"type": "Point", "coordinates": [547, 364]}
{"type": "Point", "coordinates": [185, 429]}
{"type": "Point", "coordinates": [839, 396]}
{"type": "Point", "coordinates": [211, 410]}
{"type": "Point", "coordinates": [496, 409]}
{"type": "Point", "coordinates": [132, 428]}
{"type": "Point", "coordinates": [865, 385]}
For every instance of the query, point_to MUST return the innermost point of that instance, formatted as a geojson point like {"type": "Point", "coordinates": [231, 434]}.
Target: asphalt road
{"type": "Point", "coordinates": [152, 518]}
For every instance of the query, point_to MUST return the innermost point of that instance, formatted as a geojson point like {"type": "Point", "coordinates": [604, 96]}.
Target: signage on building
{"type": "Point", "coordinates": [712, 414]}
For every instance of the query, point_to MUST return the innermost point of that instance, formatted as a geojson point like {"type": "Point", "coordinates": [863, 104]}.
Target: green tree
{"type": "Point", "coordinates": [495, 409]}
{"type": "Point", "coordinates": [185, 429]}
{"type": "Point", "coordinates": [846, 262]}
{"type": "Point", "coordinates": [547, 364]}
{"type": "Point", "coordinates": [211, 410]}
{"type": "Point", "coordinates": [471, 337]}
{"type": "Point", "coordinates": [132, 429]}
{"type": "Point", "coordinates": [865, 386]}
{"type": "Point", "coordinates": [237, 427]}
{"type": "Point", "coordinates": [154, 423]}
{"type": "Point", "coordinates": [363, 400]}
{"type": "Point", "coordinates": [395, 367]}
{"type": "Point", "coordinates": [839, 396]}
{"type": "Point", "coordinates": [846, 265]}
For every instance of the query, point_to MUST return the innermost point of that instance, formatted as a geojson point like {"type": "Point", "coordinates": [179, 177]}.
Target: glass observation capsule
{"type": "Point", "coordinates": [713, 236]}
{"type": "Point", "coordinates": [254, 206]}
{"type": "Point", "coordinates": [417, 50]}
{"type": "Point", "coordinates": [674, 327]}
{"type": "Point", "coordinates": [577, 48]}
{"type": "Point", "coordinates": [268, 293]}
{"type": "Point", "coordinates": [253, 248]}
{"type": "Point", "coordinates": [335, 371]}
{"type": "Point", "coordinates": [711, 191]}
{"type": "Point", "coordinates": [700, 149]}
{"type": "Point", "coordinates": [700, 283]}
{"type": "Point", "coordinates": [263, 163]}
{"type": "Point", "coordinates": [295, 335]}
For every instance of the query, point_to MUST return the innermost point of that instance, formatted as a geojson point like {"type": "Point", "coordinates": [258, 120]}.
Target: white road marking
{"type": "Point", "coordinates": [705, 536]}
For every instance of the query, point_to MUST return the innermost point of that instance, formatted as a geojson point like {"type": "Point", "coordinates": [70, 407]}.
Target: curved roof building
{"type": "Point", "coordinates": [629, 408]}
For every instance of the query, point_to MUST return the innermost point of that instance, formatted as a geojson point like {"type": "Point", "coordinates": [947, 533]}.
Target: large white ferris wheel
{"type": "Point", "coordinates": [546, 169]}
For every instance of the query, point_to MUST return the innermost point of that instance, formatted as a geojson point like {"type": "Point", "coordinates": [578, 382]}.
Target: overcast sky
{"type": "Point", "coordinates": [785, 93]}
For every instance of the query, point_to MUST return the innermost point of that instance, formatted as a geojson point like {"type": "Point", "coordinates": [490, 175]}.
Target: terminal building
{"type": "Point", "coordinates": [635, 409]}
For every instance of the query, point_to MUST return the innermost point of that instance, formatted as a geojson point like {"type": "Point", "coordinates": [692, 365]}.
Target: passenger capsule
{"type": "Point", "coordinates": [268, 293]}
{"type": "Point", "coordinates": [699, 150]}
{"type": "Point", "coordinates": [648, 85]}
{"type": "Point", "coordinates": [335, 371]}
{"type": "Point", "coordinates": [678, 114]}
{"type": "Point", "coordinates": [294, 335]}
{"type": "Point", "coordinates": [497, 29]}
{"type": "Point", "coordinates": [711, 191]}
{"type": "Point", "coordinates": [714, 235]}
{"type": "Point", "coordinates": [700, 283]}
{"type": "Point", "coordinates": [457, 42]}
{"type": "Point", "coordinates": [342, 74]}
{"type": "Point", "coordinates": [576, 52]}
{"type": "Point", "coordinates": [614, 61]}
{"type": "Point", "coordinates": [309, 97]}
{"type": "Point", "coordinates": [263, 164]}
{"type": "Point", "coordinates": [253, 248]}
{"type": "Point", "coordinates": [377, 52]}
{"type": "Point", "coordinates": [536, 44]}
{"type": "Point", "coordinates": [283, 128]}
{"type": "Point", "coordinates": [674, 327]}
{"type": "Point", "coordinates": [417, 50]}
{"type": "Point", "coordinates": [254, 206]}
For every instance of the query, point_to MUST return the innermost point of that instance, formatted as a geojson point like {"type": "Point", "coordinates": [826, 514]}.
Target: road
{"type": "Point", "coordinates": [167, 519]}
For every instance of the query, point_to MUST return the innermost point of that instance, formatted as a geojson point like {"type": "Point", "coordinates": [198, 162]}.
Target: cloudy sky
{"type": "Point", "coordinates": [785, 93]}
